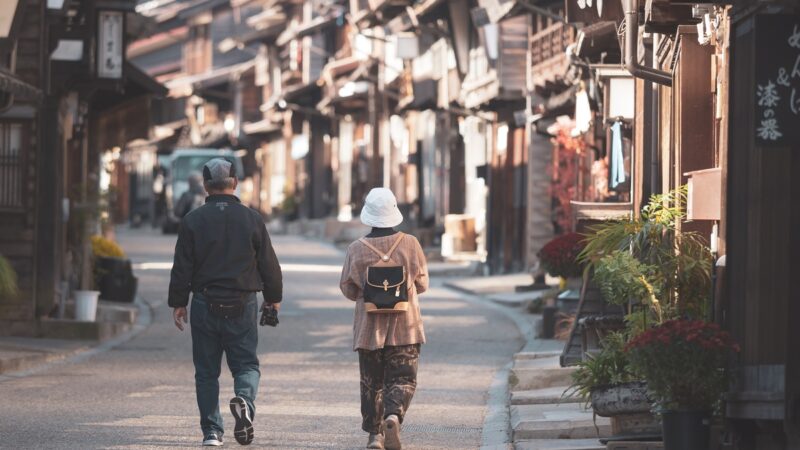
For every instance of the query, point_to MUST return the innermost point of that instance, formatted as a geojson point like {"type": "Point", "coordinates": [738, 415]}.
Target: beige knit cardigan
{"type": "Point", "coordinates": [374, 331]}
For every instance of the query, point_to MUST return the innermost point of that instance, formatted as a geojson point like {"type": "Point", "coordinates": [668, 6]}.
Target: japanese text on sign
{"type": "Point", "coordinates": [777, 80]}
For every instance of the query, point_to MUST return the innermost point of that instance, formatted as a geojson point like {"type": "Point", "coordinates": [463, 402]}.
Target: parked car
{"type": "Point", "coordinates": [179, 166]}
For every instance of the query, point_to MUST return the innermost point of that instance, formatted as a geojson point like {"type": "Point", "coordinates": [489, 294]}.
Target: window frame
{"type": "Point", "coordinates": [22, 164]}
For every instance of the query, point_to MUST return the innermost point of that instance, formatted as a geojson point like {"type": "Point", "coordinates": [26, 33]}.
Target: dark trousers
{"type": "Point", "coordinates": [388, 382]}
{"type": "Point", "coordinates": [238, 338]}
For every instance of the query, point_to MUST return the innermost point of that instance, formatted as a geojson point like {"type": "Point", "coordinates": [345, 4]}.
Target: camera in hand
{"type": "Point", "coordinates": [269, 316]}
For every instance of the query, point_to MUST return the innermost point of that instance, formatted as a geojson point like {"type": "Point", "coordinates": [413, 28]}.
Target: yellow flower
{"type": "Point", "coordinates": [102, 247]}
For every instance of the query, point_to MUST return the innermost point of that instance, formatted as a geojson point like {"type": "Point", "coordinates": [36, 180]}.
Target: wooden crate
{"type": "Point", "coordinates": [635, 446]}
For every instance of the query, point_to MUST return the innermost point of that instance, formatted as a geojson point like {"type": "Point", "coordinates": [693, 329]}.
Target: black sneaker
{"type": "Point", "coordinates": [243, 431]}
{"type": "Point", "coordinates": [212, 440]}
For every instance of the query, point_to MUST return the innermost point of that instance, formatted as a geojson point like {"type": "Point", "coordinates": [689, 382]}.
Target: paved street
{"type": "Point", "coordinates": [141, 394]}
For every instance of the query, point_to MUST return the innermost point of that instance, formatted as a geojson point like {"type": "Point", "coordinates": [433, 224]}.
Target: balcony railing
{"type": "Point", "coordinates": [548, 55]}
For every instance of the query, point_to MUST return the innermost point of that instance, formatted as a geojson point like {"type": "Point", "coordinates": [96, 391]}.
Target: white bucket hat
{"type": "Point", "coordinates": [380, 209]}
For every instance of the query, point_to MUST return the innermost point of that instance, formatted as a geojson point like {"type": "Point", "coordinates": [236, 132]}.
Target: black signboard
{"type": "Point", "coordinates": [777, 100]}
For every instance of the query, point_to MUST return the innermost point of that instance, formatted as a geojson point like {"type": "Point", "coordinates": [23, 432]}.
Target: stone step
{"type": "Point", "coordinates": [561, 421]}
{"type": "Point", "coordinates": [109, 312]}
{"type": "Point", "coordinates": [489, 285]}
{"type": "Point", "coordinates": [559, 444]}
{"type": "Point", "coordinates": [91, 331]}
{"type": "Point", "coordinates": [539, 373]}
{"type": "Point", "coordinates": [12, 361]}
{"type": "Point", "coordinates": [544, 361]}
{"type": "Point", "coordinates": [526, 356]}
{"type": "Point", "coordinates": [516, 299]}
{"type": "Point", "coordinates": [17, 353]}
{"type": "Point", "coordinates": [635, 445]}
{"type": "Point", "coordinates": [544, 396]}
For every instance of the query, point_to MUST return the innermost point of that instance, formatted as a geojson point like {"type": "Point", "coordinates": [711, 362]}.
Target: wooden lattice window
{"type": "Point", "coordinates": [12, 141]}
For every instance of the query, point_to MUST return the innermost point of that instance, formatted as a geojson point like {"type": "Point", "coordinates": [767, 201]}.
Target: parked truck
{"type": "Point", "coordinates": [180, 165]}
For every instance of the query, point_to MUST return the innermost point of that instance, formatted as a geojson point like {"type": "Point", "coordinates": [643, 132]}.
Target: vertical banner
{"type": "Point", "coordinates": [110, 44]}
{"type": "Point", "coordinates": [777, 119]}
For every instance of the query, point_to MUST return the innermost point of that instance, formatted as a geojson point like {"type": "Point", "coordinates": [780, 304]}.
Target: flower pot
{"type": "Point", "coordinates": [686, 430]}
{"type": "Point", "coordinates": [115, 279]}
{"type": "Point", "coordinates": [629, 407]}
{"type": "Point", "coordinates": [627, 398]}
{"type": "Point", "coordinates": [86, 305]}
{"type": "Point", "coordinates": [568, 300]}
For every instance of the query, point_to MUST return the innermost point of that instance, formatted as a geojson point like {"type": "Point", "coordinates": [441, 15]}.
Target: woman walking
{"type": "Point", "coordinates": [384, 273]}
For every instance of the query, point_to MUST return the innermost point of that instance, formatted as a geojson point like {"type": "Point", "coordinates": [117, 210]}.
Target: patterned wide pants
{"type": "Point", "coordinates": [388, 382]}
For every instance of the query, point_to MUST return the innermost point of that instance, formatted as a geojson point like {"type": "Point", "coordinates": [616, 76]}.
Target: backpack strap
{"type": "Point", "coordinates": [396, 243]}
{"type": "Point", "coordinates": [384, 256]}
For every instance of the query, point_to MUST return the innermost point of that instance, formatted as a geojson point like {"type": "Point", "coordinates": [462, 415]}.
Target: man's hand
{"type": "Point", "coordinates": [267, 304]}
{"type": "Point", "coordinates": [180, 317]}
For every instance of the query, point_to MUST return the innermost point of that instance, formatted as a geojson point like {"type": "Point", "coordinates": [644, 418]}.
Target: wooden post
{"type": "Point", "coordinates": [48, 211]}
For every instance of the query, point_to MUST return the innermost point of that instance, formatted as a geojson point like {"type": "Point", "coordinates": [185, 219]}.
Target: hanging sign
{"type": "Point", "coordinates": [777, 94]}
{"type": "Point", "coordinates": [110, 44]}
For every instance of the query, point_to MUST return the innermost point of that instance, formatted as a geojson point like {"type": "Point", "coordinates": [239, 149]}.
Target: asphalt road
{"type": "Point", "coordinates": [141, 393]}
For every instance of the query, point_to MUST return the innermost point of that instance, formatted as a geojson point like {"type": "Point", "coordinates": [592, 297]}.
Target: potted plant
{"type": "Point", "coordinates": [113, 271]}
{"type": "Point", "coordinates": [684, 363]}
{"type": "Point", "coordinates": [609, 382]}
{"type": "Point", "coordinates": [8, 279]}
{"type": "Point", "coordinates": [559, 257]}
{"type": "Point", "coordinates": [650, 263]}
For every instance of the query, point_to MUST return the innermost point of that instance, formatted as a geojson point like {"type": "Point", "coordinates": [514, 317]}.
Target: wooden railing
{"type": "Point", "coordinates": [548, 51]}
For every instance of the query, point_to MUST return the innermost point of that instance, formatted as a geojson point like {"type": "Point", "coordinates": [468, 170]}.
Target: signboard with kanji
{"type": "Point", "coordinates": [777, 70]}
{"type": "Point", "coordinates": [110, 45]}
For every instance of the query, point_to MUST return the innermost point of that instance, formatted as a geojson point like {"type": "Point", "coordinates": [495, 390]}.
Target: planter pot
{"type": "Point", "coordinates": [629, 408]}
{"type": "Point", "coordinates": [686, 430]}
{"type": "Point", "coordinates": [628, 398]}
{"type": "Point", "coordinates": [115, 279]}
{"type": "Point", "coordinates": [86, 305]}
{"type": "Point", "coordinates": [568, 300]}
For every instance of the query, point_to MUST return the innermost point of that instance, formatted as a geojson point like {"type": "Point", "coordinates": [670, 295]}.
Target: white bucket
{"type": "Point", "coordinates": [86, 305]}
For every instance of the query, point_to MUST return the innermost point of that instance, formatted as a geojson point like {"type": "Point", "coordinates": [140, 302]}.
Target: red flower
{"type": "Point", "coordinates": [559, 256]}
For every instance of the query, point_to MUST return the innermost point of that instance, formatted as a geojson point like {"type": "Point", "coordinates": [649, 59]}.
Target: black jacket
{"type": "Point", "coordinates": [224, 246]}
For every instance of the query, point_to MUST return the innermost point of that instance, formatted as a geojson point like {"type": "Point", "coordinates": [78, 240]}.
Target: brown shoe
{"type": "Point", "coordinates": [391, 431]}
{"type": "Point", "coordinates": [375, 441]}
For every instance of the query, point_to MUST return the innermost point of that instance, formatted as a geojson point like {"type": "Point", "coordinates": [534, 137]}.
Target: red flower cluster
{"type": "Point", "coordinates": [684, 362]}
{"type": "Point", "coordinates": [560, 256]}
{"type": "Point", "coordinates": [705, 335]}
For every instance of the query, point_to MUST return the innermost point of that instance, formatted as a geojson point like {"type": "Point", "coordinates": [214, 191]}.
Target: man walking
{"type": "Point", "coordinates": [223, 257]}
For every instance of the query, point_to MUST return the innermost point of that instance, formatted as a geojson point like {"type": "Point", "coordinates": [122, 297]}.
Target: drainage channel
{"type": "Point", "coordinates": [417, 428]}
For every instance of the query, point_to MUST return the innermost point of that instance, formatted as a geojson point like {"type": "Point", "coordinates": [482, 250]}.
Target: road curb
{"type": "Point", "coordinates": [143, 321]}
{"type": "Point", "coordinates": [496, 433]}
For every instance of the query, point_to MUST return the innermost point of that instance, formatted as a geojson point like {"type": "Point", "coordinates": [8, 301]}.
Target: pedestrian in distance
{"type": "Point", "coordinates": [222, 258]}
{"type": "Point", "coordinates": [383, 274]}
{"type": "Point", "coordinates": [193, 198]}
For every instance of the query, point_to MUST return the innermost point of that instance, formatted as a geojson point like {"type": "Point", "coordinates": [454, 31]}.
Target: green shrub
{"type": "Point", "coordinates": [8, 279]}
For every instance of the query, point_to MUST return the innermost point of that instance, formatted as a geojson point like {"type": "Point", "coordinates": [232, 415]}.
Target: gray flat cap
{"type": "Point", "coordinates": [218, 169]}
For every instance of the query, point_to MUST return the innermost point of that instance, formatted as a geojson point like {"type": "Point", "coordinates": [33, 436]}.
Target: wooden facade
{"type": "Point", "coordinates": [49, 153]}
{"type": "Point", "coordinates": [713, 117]}
{"type": "Point", "coordinates": [759, 301]}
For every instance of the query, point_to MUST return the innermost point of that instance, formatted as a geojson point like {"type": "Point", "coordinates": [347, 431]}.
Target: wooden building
{"type": "Point", "coordinates": [52, 136]}
{"type": "Point", "coordinates": [761, 214]}
{"type": "Point", "coordinates": [716, 89]}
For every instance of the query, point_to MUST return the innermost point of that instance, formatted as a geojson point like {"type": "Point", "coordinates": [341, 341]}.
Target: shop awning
{"type": "Point", "coordinates": [11, 84]}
